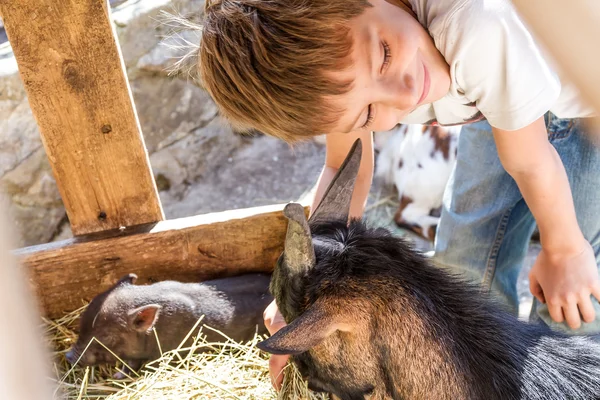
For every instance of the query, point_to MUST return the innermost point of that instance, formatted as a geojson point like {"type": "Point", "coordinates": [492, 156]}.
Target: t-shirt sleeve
{"type": "Point", "coordinates": [500, 68]}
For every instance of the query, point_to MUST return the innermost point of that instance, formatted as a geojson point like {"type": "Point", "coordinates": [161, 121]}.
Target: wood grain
{"type": "Point", "coordinates": [66, 273]}
{"type": "Point", "coordinates": [74, 76]}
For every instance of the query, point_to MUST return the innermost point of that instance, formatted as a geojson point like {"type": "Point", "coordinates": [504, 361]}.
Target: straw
{"type": "Point", "coordinates": [202, 370]}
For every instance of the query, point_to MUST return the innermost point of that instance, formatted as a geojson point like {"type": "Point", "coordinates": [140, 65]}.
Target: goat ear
{"type": "Point", "coordinates": [143, 319]}
{"type": "Point", "coordinates": [306, 331]}
{"type": "Point", "coordinates": [299, 254]}
{"type": "Point", "coordinates": [335, 204]}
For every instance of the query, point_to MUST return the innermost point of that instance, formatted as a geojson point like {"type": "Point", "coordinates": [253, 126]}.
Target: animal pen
{"type": "Point", "coordinates": [70, 63]}
{"type": "Point", "coordinates": [72, 69]}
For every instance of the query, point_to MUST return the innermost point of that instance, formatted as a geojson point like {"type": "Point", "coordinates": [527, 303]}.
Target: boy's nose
{"type": "Point", "coordinates": [400, 92]}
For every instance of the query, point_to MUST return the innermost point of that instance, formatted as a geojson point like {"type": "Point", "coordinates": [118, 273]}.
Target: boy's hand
{"type": "Point", "coordinates": [274, 321]}
{"type": "Point", "coordinates": [565, 281]}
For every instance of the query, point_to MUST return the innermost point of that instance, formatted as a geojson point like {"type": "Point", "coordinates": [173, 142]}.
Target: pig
{"type": "Point", "coordinates": [370, 318]}
{"type": "Point", "coordinates": [123, 317]}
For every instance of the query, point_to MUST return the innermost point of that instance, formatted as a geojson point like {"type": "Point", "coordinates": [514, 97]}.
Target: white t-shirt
{"type": "Point", "coordinates": [498, 71]}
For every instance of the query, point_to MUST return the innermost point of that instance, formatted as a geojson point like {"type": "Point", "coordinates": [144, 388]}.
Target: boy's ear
{"type": "Point", "coordinates": [306, 331]}
{"type": "Point", "coordinates": [143, 319]}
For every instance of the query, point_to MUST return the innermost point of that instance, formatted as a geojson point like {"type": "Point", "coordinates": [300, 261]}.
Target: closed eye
{"type": "Point", "coordinates": [370, 117]}
{"type": "Point", "coordinates": [387, 55]}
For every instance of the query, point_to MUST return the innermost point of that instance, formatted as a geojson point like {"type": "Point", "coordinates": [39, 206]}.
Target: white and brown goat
{"type": "Point", "coordinates": [417, 160]}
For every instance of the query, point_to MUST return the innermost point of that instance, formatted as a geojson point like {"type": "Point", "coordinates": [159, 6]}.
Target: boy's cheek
{"type": "Point", "coordinates": [387, 120]}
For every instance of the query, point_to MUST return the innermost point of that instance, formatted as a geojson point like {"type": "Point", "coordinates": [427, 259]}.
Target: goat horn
{"type": "Point", "coordinates": [299, 254]}
{"type": "Point", "coordinates": [335, 204]}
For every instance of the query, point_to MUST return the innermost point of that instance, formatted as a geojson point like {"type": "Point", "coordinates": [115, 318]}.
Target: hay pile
{"type": "Point", "coordinates": [229, 371]}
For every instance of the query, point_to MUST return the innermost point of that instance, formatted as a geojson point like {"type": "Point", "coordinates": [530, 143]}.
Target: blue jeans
{"type": "Point", "coordinates": [486, 225]}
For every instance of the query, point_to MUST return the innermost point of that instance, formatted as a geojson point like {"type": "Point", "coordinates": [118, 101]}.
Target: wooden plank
{"type": "Point", "coordinates": [73, 72]}
{"type": "Point", "coordinates": [187, 249]}
{"type": "Point", "coordinates": [570, 31]}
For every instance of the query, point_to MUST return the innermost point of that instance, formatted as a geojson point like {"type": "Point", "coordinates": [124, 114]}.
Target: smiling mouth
{"type": "Point", "coordinates": [426, 83]}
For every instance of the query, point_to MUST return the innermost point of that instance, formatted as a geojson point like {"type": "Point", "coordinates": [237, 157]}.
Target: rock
{"type": "Point", "coordinates": [231, 172]}
{"type": "Point", "coordinates": [19, 134]}
{"type": "Point", "coordinates": [171, 177]}
{"type": "Point", "coordinates": [141, 26]}
{"type": "Point", "coordinates": [115, 3]}
{"type": "Point", "coordinates": [63, 232]}
{"type": "Point", "coordinates": [162, 58]}
{"type": "Point", "coordinates": [35, 204]}
{"type": "Point", "coordinates": [169, 109]}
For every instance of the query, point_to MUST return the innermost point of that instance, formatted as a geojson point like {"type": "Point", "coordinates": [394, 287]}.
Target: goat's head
{"type": "Point", "coordinates": [326, 306]}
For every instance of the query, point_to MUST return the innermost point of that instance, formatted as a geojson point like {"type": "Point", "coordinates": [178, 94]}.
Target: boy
{"type": "Point", "coordinates": [295, 68]}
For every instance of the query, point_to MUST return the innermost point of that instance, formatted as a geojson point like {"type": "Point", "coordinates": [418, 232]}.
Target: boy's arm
{"type": "Point", "coordinates": [338, 146]}
{"type": "Point", "coordinates": [565, 273]}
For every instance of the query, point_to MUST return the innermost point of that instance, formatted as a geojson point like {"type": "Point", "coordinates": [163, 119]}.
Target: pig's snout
{"type": "Point", "coordinates": [72, 356]}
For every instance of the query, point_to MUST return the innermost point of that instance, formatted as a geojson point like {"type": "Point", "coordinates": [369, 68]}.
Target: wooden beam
{"type": "Point", "coordinates": [570, 30]}
{"type": "Point", "coordinates": [188, 249]}
{"type": "Point", "coordinates": [73, 72]}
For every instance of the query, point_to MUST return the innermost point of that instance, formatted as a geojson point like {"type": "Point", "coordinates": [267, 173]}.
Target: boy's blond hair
{"type": "Point", "coordinates": [264, 62]}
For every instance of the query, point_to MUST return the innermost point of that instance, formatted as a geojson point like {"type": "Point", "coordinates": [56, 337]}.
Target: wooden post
{"type": "Point", "coordinates": [570, 30]}
{"type": "Point", "coordinates": [74, 75]}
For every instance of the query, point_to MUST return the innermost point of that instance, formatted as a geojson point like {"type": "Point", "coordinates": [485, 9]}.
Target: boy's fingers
{"type": "Point", "coordinates": [556, 312]}
{"type": "Point", "coordinates": [586, 308]}
{"type": "Point", "coordinates": [273, 319]}
{"type": "Point", "coordinates": [276, 365]}
{"type": "Point", "coordinates": [571, 313]}
{"type": "Point", "coordinates": [536, 289]}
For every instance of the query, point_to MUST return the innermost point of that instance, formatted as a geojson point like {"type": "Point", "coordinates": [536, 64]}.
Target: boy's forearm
{"type": "Point", "coordinates": [538, 171]}
{"type": "Point", "coordinates": [547, 192]}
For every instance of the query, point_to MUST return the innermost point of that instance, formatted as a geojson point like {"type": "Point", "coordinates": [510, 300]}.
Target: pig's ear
{"type": "Point", "coordinates": [143, 319]}
{"type": "Point", "coordinates": [127, 279]}
{"type": "Point", "coordinates": [306, 331]}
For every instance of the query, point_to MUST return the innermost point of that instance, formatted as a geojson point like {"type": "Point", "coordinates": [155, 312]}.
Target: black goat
{"type": "Point", "coordinates": [371, 318]}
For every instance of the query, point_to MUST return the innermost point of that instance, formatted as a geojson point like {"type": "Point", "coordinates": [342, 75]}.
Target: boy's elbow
{"type": "Point", "coordinates": [529, 159]}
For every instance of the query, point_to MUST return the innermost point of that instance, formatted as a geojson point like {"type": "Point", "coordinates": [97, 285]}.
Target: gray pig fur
{"type": "Point", "coordinates": [232, 305]}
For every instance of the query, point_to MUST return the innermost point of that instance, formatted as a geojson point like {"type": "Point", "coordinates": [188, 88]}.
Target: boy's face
{"type": "Point", "coordinates": [396, 68]}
